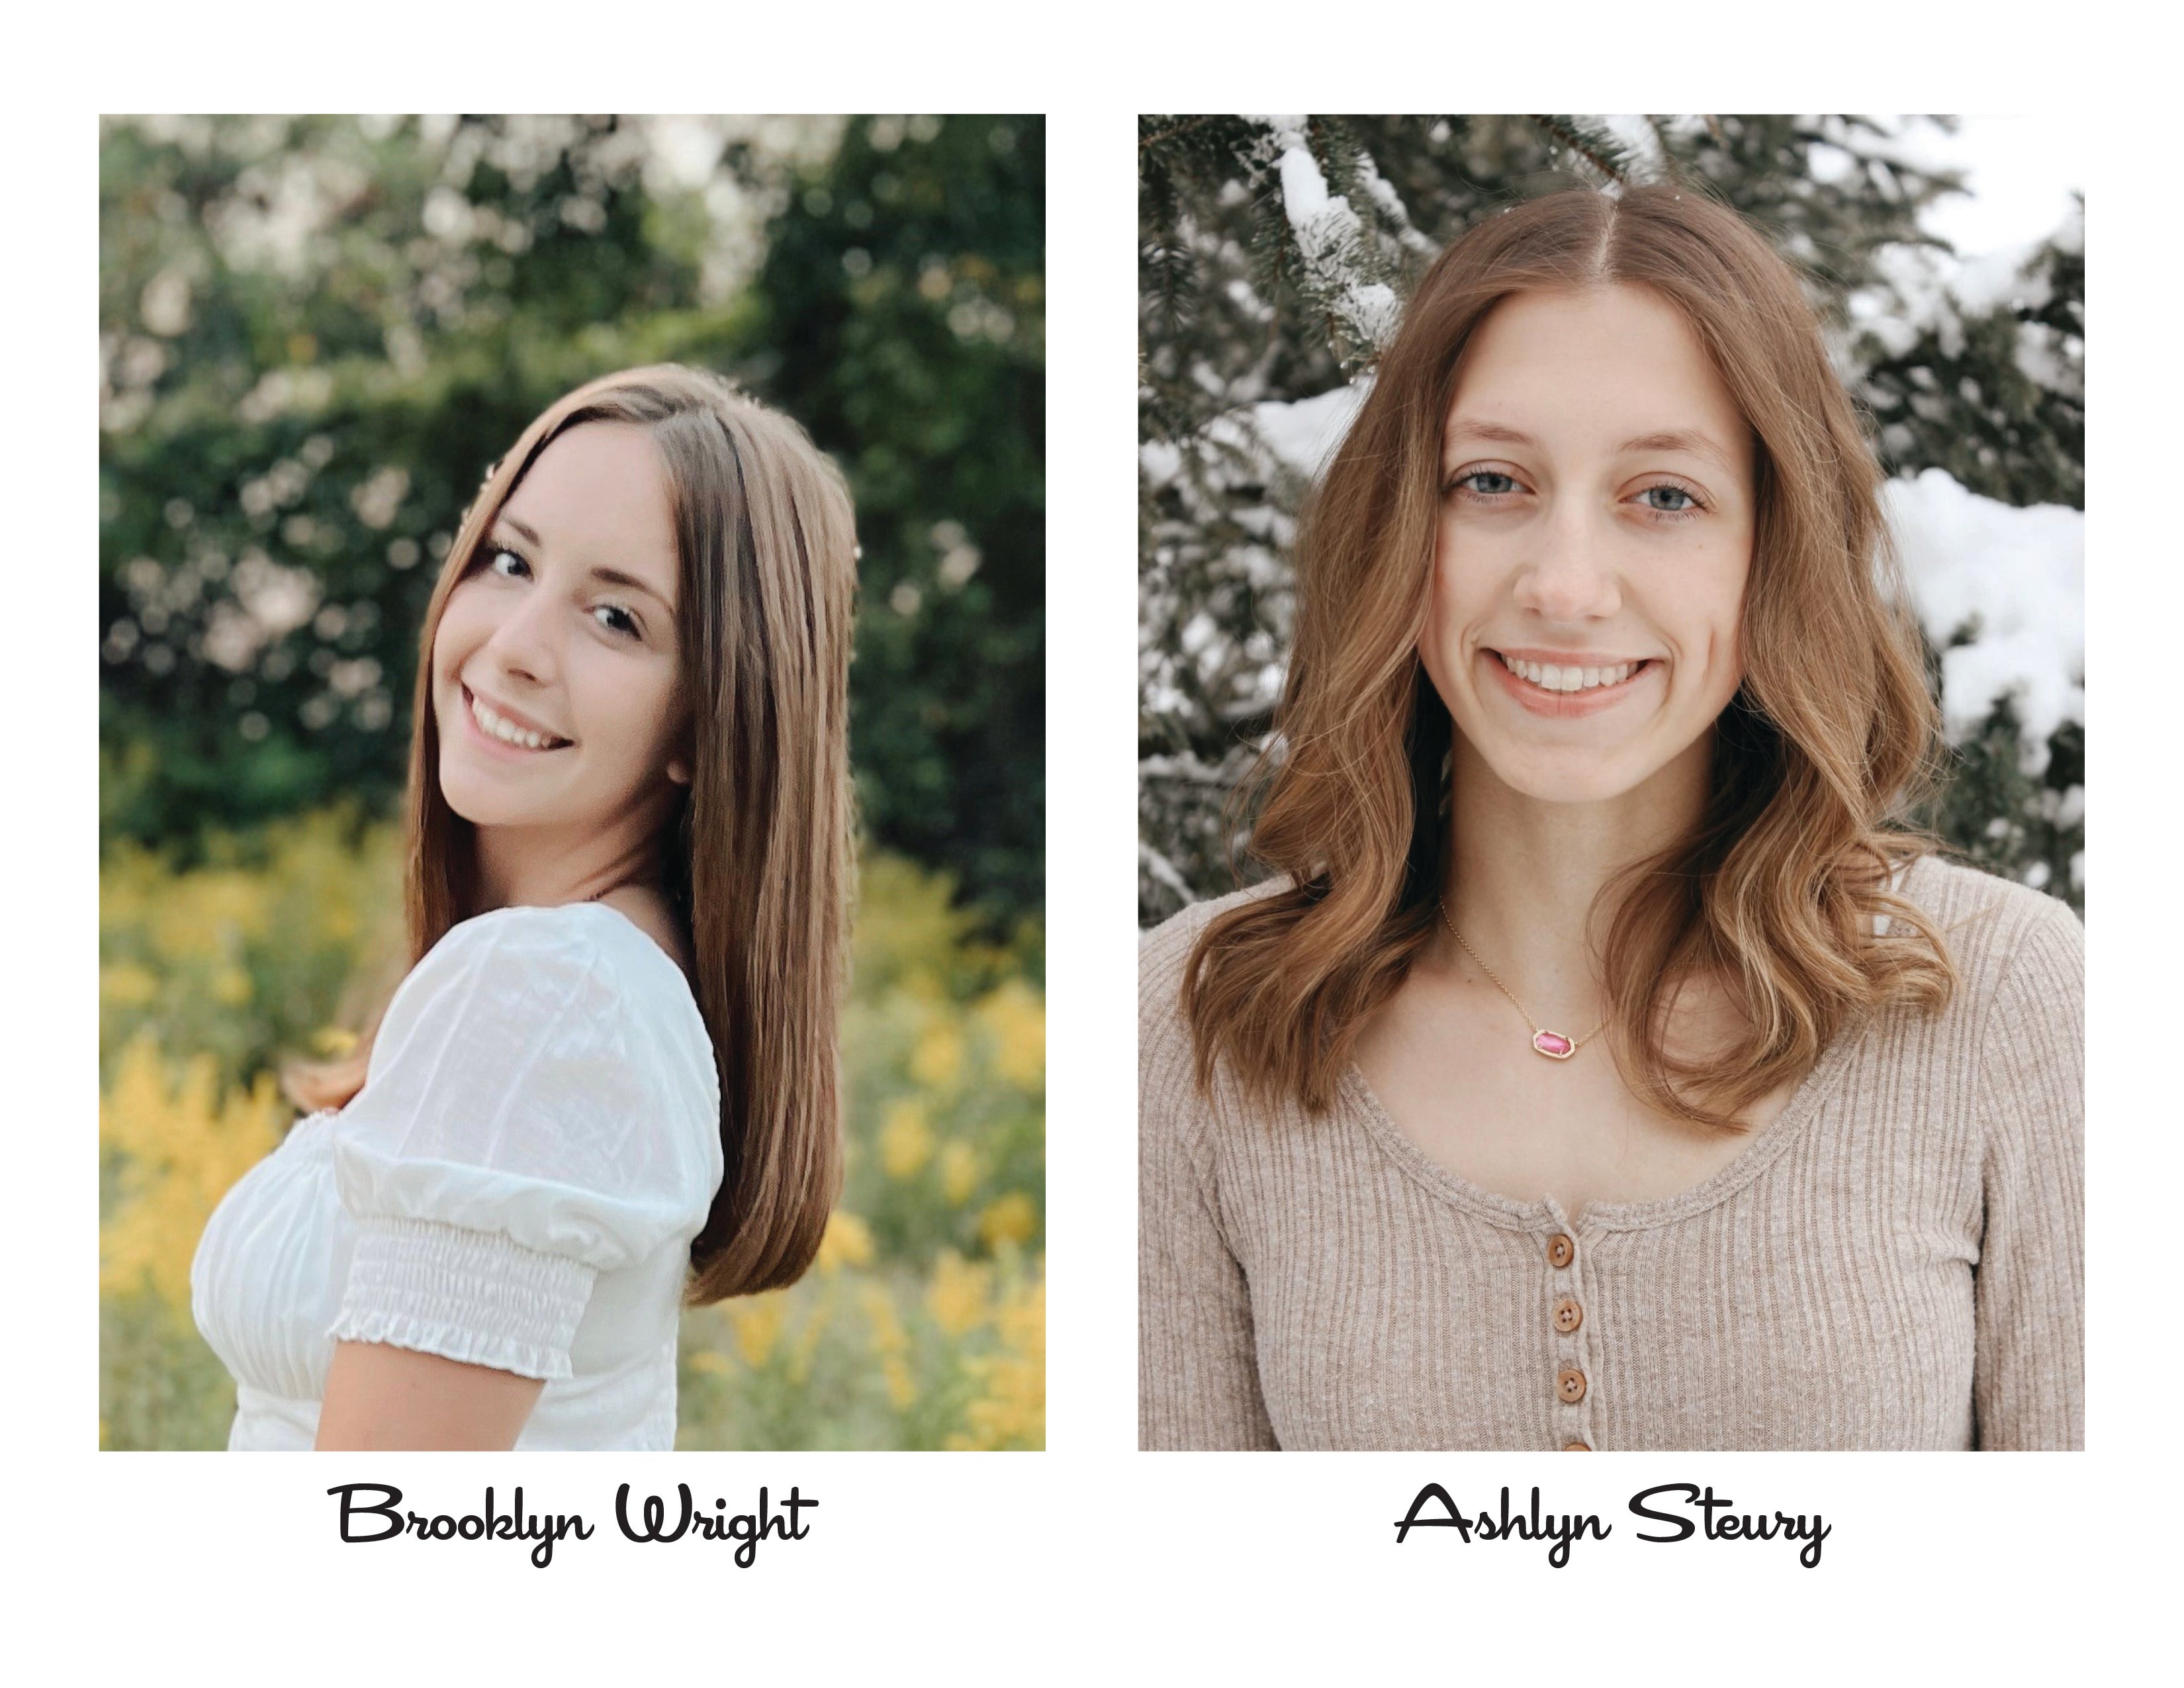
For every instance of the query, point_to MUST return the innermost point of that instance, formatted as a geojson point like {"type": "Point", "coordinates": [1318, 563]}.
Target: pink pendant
{"type": "Point", "coordinates": [1554, 1045]}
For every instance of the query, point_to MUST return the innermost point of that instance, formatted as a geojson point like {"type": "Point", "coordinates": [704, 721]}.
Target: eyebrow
{"type": "Point", "coordinates": [1666, 439]}
{"type": "Point", "coordinates": [612, 577]}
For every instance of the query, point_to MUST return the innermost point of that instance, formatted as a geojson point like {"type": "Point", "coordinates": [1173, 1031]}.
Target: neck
{"type": "Point", "coordinates": [1524, 875]}
{"type": "Point", "coordinates": [546, 866]}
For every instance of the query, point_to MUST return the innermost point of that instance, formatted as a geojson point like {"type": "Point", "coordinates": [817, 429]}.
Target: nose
{"type": "Point", "coordinates": [1570, 572]}
{"type": "Point", "coordinates": [526, 639]}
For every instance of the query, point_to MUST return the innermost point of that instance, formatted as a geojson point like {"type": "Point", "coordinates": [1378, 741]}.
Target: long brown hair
{"type": "Point", "coordinates": [1776, 892]}
{"type": "Point", "coordinates": [759, 864]}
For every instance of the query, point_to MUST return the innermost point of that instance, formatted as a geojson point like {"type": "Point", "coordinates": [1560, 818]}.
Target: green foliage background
{"type": "Point", "coordinates": [318, 333]}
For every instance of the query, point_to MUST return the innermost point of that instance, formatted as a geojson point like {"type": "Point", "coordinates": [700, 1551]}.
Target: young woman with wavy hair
{"type": "Point", "coordinates": [608, 1081]}
{"type": "Point", "coordinates": [1602, 1064]}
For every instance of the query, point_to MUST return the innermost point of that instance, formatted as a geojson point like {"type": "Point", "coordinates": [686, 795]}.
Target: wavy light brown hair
{"type": "Point", "coordinates": [1775, 892]}
{"type": "Point", "coordinates": [758, 853]}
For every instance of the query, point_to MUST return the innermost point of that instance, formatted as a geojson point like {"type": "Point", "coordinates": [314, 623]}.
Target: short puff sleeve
{"type": "Point", "coordinates": [517, 1134]}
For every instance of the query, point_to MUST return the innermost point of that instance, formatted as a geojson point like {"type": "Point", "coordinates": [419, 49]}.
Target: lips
{"type": "Point", "coordinates": [472, 702]}
{"type": "Point", "coordinates": [1560, 705]}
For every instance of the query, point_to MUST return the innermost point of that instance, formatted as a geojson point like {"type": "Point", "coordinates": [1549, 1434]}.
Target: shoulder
{"type": "Point", "coordinates": [578, 980]}
{"type": "Point", "coordinates": [535, 1046]}
{"type": "Point", "coordinates": [535, 948]}
{"type": "Point", "coordinates": [518, 932]}
{"type": "Point", "coordinates": [2019, 1007]}
{"type": "Point", "coordinates": [502, 963]}
{"type": "Point", "coordinates": [1167, 1070]}
{"type": "Point", "coordinates": [1163, 951]}
{"type": "Point", "coordinates": [519, 966]}
{"type": "Point", "coordinates": [1991, 925]}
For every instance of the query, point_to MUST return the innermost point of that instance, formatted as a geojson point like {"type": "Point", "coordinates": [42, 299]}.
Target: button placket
{"type": "Point", "coordinates": [1563, 1308]}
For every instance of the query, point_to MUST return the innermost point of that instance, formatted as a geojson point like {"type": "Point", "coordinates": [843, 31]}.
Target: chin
{"type": "Point", "coordinates": [1564, 775]}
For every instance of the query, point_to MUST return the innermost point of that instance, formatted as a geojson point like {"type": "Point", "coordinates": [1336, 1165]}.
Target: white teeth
{"type": "Point", "coordinates": [1551, 677]}
{"type": "Point", "coordinates": [507, 731]}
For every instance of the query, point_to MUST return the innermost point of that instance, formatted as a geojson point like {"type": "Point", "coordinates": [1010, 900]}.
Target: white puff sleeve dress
{"type": "Point", "coordinates": [516, 1185]}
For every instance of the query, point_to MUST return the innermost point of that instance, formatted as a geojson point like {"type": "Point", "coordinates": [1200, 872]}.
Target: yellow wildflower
{"type": "Point", "coordinates": [1015, 1014]}
{"type": "Point", "coordinates": [758, 1322]}
{"type": "Point", "coordinates": [957, 1298]}
{"type": "Point", "coordinates": [905, 1139]}
{"type": "Point", "coordinates": [184, 1145]}
{"type": "Point", "coordinates": [334, 1040]}
{"type": "Point", "coordinates": [1012, 1219]}
{"type": "Point", "coordinates": [231, 987]}
{"type": "Point", "coordinates": [1011, 1411]}
{"type": "Point", "coordinates": [878, 1304]}
{"type": "Point", "coordinates": [126, 985]}
{"type": "Point", "coordinates": [890, 1343]}
{"type": "Point", "coordinates": [712, 1362]}
{"type": "Point", "coordinates": [937, 1062]}
{"type": "Point", "coordinates": [848, 1242]}
{"type": "Point", "coordinates": [204, 913]}
{"type": "Point", "coordinates": [816, 1320]}
{"type": "Point", "coordinates": [959, 1171]}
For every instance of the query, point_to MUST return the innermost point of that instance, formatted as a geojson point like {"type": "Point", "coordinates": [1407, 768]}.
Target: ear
{"type": "Point", "coordinates": [684, 759]}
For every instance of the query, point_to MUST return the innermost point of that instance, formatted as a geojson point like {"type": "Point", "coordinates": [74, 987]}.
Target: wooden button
{"type": "Point", "coordinates": [1576, 1447]}
{"type": "Point", "coordinates": [1561, 1250]}
{"type": "Point", "coordinates": [1569, 1384]}
{"type": "Point", "coordinates": [1568, 1316]}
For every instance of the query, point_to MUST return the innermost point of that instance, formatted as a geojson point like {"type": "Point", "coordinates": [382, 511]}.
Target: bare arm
{"type": "Point", "coordinates": [381, 1397]}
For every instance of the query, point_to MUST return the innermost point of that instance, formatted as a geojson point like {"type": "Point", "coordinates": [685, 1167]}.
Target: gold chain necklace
{"type": "Point", "coordinates": [1553, 1044]}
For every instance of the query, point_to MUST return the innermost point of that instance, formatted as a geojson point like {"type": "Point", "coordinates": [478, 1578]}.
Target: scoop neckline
{"type": "Point", "coordinates": [1548, 1212]}
{"type": "Point", "coordinates": [1766, 1146]}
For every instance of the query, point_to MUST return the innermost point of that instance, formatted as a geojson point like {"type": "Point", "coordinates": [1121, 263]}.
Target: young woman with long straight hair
{"type": "Point", "coordinates": [608, 1082]}
{"type": "Point", "coordinates": [1602, 1064]}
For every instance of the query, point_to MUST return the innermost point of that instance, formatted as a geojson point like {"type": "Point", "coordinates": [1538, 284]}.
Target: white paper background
{"type": "Point", "coordinates": [1090, 1563]}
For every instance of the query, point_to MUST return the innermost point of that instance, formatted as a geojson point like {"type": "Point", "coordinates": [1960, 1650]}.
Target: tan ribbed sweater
{"type": "Point", "coordinates": [1895, 1262]}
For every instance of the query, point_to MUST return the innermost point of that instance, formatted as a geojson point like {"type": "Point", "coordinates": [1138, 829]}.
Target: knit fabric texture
{"type": "Point", "coordinates": [1895, 1262]}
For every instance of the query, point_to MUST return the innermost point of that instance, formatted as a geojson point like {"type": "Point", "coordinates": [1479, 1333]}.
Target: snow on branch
{"type": "Point", "coordinates": [1331, 241]}
{"type": "Point", "coordinates": [2001, 593]}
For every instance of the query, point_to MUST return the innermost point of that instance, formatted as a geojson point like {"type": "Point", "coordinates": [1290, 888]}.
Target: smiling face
{"type": "Point", "coordinates": [1595, 536]}
{"type": "Point", "coordinates": [563, 632]}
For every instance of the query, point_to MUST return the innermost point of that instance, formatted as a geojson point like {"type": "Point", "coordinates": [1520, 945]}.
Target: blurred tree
{"type": "Point", "coordinates": [901, 316]}
{"type": "Point", "coordinates": [1274, 256]}
{"type": "Point", "coordinates": [317, 334]}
